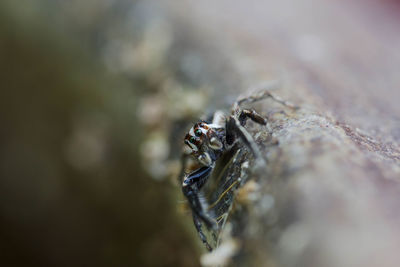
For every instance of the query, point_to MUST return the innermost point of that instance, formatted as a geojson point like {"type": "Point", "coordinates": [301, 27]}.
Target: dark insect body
{"type": "Point", "coordinates": [208, 142]}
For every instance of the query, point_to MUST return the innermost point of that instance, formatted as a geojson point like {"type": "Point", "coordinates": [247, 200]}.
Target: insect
{"type": "Point", "coordinates": [208, 141]}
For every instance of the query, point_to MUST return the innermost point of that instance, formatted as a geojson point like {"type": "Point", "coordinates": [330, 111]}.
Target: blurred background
{"type": "Point", "coordinates": [96, 97]}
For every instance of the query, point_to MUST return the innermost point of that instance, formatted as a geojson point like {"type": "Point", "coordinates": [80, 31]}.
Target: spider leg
{"type": "Point", "coordinates": [184, 160]}
{"type": "Point", "coordinates": [251, 114]}
{"type": "Point", "coordinates": [234, 128]}
{"type": "Point", "coordinates": [197, 224]}
{"type": "Point", "coordinates": [260, 94]}
{"type": "Point", "coordinates": [191, 189]}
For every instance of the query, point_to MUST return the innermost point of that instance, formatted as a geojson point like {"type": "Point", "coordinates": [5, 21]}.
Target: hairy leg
{"type": "Point", "coordinates": [235, 130]}
{"type": "Point", "coordinates": [259, 94]}
{"type": "Point", "coordinates": [198, 225]}
{"type": "Point", "coordinates": [251, 114]}
{"type": "Point", "coordinates": [191, 189]}
{"type": "Point", "coordinates": [184, 160]}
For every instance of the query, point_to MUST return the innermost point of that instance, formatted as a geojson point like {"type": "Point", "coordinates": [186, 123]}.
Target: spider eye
{"type": "Point", "coordinates": [198, 132]}
{"type": "Point", "coordinates": [192, 139]}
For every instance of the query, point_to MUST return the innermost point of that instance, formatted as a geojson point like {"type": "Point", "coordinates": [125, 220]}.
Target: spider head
{"type": "Point", "coordinates": [202, 138]}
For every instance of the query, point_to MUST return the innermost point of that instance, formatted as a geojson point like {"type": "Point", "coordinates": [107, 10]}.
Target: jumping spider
{"type": "Point", "coordinates": [208, 141]}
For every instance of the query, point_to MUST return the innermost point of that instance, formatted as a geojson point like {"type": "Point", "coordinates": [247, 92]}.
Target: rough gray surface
{"type": "Point", "coordinates": [327, 197]}
{"type": "Point", "coordinates": [329, 193]}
